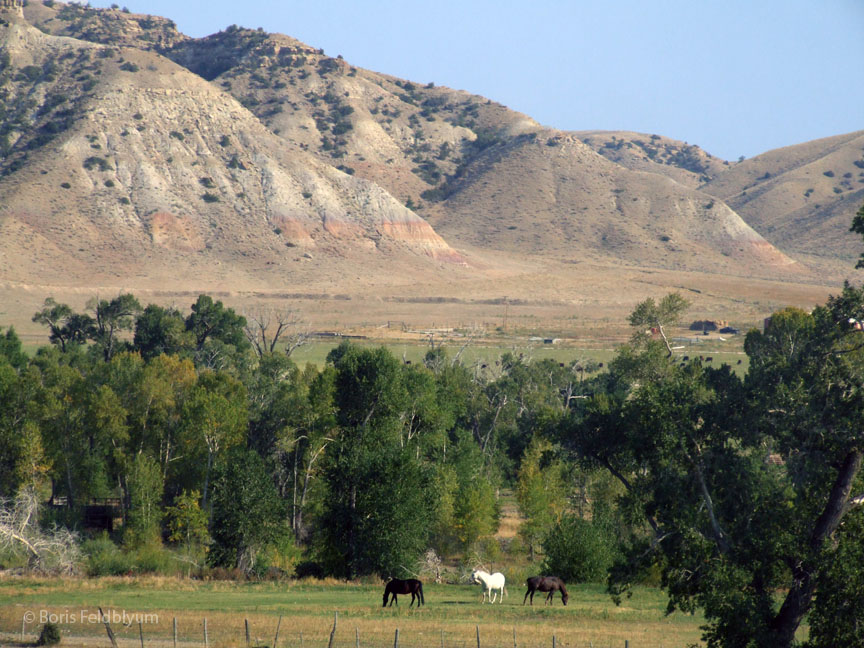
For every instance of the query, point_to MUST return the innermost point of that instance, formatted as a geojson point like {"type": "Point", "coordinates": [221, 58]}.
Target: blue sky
{"type": "Point", "coordinates": [736, 77]}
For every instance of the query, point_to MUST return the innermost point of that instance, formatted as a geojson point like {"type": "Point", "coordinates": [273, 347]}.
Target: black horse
{"type": "Point", "coordinates": [549, 584]}
{"type": "Point", "coordinates": [397, 586]}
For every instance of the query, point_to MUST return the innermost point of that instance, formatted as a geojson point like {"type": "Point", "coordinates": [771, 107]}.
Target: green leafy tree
{"type": "Point", "coordinates": [837, 617]}
{"type": "Point", "coordinates": [541, 493]}
{"type": "Point", "coordinates": [248, 514]}
{"type": "Point", "coordinates": [214, 419]}
{"type": "Point", "coordinates": [659, 315]}
{"type": "Point", "coordinates": [187, 524]}
{"type": "Point", "coordinates": [160, 330]}
{"type": "Point", "coordinates": [212, 320]}
{"type": "Point", "coordinates": [578, 551]}
{"type": "Point", "coordinates": [858, 228]}
{"type": "Point", "coordinates": [10, 348]}
{"type": "Point", "coordinates": [145, 485]}
{"type": "Point", "coordinates": [377, 512]}
{"type": "Point", "coordinates": [111, 318]}
{"type": "Point", "coordinates": [742, 485]}
{"type": "Point", "coordinates": [65, 326]}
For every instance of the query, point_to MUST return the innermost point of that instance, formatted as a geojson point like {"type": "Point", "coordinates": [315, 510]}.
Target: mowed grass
{"type": "Point", "coordinates": [590, 619]}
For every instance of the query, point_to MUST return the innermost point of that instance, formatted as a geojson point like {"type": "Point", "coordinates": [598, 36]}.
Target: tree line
{"type": "Point", "coordinates": [740, 495]}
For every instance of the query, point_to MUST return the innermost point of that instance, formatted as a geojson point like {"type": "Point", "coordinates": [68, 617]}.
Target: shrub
{"type": "Point", "coordinates": [65, 185]}
{"type": "Point", "coordinates": [104, 558]}
{"type": "Point", "coordinates": [153, 558]}
{"type": "Point", "coordinates": [207, 182]}
{"type": "Point", "coordinates": [177, 135]}
{"type": "Point", "coordinates": [578, 551]}
{"type": "Point", "coordinates": [828, 174]}
{"type": "Point", "coordinates": [50, 635]}
{"type": "Point", "coordinates": [94, 161]}
{"type": "Point", "coordinates": [209, 197]}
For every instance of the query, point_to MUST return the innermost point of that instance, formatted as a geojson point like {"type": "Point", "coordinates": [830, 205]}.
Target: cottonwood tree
{"type": "Point", "coordinates": [540, 492]}
{"type": "Point", "coordinates": [248, 514]}
{"type": "Point", "coordinates": [376, 514]}
{"type": "Point", "coordinates": [110, 318]}
{"type": "Point", "coordinates": [743, 484]}
{"type": "Point", "coordinates": [659, 316]}
{"type": "Point", "coordinates": [65, 326]}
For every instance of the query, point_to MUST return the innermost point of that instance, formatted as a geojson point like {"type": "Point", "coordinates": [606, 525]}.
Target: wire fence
{"type": "Point", "coordinates": [129, 633]}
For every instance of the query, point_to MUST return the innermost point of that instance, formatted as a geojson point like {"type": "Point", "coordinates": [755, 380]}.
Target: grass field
{"type": "Point", "coordinates": [316, 352]}
{"type": "Point", "coordinates": [590, 619]}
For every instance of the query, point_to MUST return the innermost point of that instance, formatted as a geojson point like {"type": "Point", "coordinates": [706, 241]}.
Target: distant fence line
{"type": "Point", "coordinates": [337, 637]}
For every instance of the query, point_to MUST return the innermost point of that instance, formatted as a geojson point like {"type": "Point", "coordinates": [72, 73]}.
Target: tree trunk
{"type": "Point", "coordinates": [800, 596]}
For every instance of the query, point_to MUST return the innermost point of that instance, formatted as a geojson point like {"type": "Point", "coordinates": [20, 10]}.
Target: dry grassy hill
{"type": "Point", "coordinates": [548, 193]}
{"type": "Point", "coordinates": [802, 197]}
{"type": "Point", "coordinates": [249, 163]}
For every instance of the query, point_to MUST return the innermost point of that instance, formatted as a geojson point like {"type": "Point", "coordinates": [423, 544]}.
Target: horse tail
{"type": "Point", "coordinates": [420, 590]}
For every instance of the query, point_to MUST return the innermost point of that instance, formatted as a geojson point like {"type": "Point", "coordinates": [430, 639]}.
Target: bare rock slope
{"type": "Point", "coordinates": [124, 163]}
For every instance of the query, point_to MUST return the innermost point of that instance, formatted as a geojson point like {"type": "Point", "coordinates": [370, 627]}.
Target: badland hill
{"type": "Point", "coordinates": [134, 157]}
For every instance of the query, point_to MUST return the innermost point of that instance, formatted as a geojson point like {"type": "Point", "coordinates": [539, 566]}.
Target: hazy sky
{"type": "Point", "coordinates": [736, 77]}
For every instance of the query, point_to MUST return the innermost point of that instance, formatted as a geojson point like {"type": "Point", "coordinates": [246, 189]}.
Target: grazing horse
{"type": "Point", "coordinates": [549, 584]}
{"type": "Point", "coordinates": [397, 586]}
{"type": "Point", "coordinates": [492, 583]}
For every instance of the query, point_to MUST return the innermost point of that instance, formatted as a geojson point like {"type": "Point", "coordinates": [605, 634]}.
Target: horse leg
{"type": "Point", "coordinates": [413, 595]}
{"type": "Point", "coordinates": [493, 594]}
{"type": "Point", "coordinates": [394, 600]}
{"type": "Point", "coordinates": [528, 591]}
{"type": "Point", "coordinates": [549, 597]}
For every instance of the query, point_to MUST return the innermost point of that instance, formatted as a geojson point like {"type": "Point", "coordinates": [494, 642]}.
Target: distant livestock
{"type": "Point", "coordinates": [492, 584]}
{"type": "Point", "coordinates": [544, 584]}
{"type": "Point", "coordinates": [397, 586]}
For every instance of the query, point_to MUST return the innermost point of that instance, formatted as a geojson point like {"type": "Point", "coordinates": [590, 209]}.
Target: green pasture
{"type": "Point", "coordinates": [316, 352]}
{"type": "Point", "coordinates": [452, 612]}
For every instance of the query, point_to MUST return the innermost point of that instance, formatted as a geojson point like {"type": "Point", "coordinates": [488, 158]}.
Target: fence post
{"type": "Point", "coordinates": [276, 637]}
{"type": "Point", "coordinates": [301, 639]}
{"type": "Point", "coordinates": [514, 636]}
{"type": "Point", "coordinates": [175, 632]}
{"type": "Point", "coordinates": [108, 628]}
{"type": "Point", "coordinates": [396, 639]}
{"type": "Point", "coordinates": [553, 641]}
{"type": "Point", "coordinates": [356, 637]}
{"type": "Point", "coordinates": [478, 636]}
{"type": "Point", "coordinates": [333, 631]}
{"type": "Point", "coordinates": [626, 643]}
{"type": "Point", "coordinates": [246, 623]}
{"type": "Point", "coordinates": [23, 625]}
{"type": "Point", "coordinates": [141, 633]}
{"type": "Point", "coordinates": [442, 637]}
{"type": "Point", "coordinates": [206, 640]}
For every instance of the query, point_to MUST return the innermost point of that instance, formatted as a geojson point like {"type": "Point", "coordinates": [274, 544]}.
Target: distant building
{"type": "Point", "coordinates": [708, 325]}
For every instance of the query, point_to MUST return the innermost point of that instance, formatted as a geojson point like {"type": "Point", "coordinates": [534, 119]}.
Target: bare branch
{"type": "Point", "coordinates": [55, 551]}
{"type": "Point", "coordinates": [266, 327]}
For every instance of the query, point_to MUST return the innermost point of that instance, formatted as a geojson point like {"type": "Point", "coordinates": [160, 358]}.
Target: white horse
{"type": "Point", "coordinates": [492, 583]}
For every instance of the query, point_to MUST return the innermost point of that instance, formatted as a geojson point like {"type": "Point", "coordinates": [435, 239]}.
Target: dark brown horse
{"type": "Point", "coordinates": [549, 584]}
{"type": "Point", "coordinates": [397, 586]}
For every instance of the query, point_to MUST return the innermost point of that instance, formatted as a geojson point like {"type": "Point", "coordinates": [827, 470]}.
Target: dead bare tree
{"type": "Point", "coordinates": [266, 327]}
{"type": "Point", "coordinates": [54, 551]}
